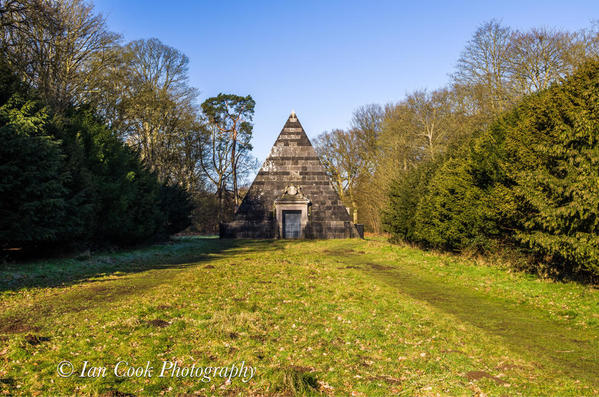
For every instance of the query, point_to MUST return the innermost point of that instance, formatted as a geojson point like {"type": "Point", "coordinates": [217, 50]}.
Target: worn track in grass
{"type": "Point", "coordinates": [329, 317]}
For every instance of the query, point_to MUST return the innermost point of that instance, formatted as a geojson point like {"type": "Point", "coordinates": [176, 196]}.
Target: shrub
{"type": "Point", "coordinates": [68, 179]}
{"type": "Point", "coordinates": [404, 195]}
{"type": "Point", "coordinates": [530, 179]}
{"type": "Point", "coordinates": [34, 201]}
{"type": "Point", "coordinates": [176, 205]}
{"type": "Point", "coordinates": [553, 159]}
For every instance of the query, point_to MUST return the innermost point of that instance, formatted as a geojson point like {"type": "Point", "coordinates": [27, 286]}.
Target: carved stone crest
{"type": "Point", "coordinates": [291, 190]}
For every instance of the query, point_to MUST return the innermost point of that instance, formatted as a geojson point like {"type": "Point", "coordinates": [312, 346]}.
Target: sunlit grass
{"type": "Point", "coordinates": [330, 317]}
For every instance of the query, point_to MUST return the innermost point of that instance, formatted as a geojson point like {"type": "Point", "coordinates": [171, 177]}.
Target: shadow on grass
{"type": "Point", "coordinates": [571, 350]}
{"type": "Point", "coordinates": [176, 254]}
{"type": "Point", "coordinates": [181, 254]}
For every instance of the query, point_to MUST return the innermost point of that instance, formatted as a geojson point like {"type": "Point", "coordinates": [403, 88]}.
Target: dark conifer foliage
{"type": "Point", "coordinates": [66, 178]}
{"type": "Point", "coordinates": [32, 180]}
{"type": "Point", "coordinates": [529, 180]}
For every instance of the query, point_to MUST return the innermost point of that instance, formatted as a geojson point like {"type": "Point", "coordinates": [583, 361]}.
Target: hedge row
{"type": "Point", "coordinates": [531, 180]}
{"type": "Point", "coordinates": [67, 179]}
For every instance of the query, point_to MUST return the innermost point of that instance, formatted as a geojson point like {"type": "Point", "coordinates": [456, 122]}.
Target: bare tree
{"type": "Point", "coordinates": [367, 123]}
{"type": "Point", "coordinates": [342, 154]}
{"type": "Point", "coordinates": [157, 113]}
{"type": "Point", "coordinates": [52, 45]}
{"type": "Point", "coordinates": [538, 58]}
{"type": "Point", "coordinates": [326, 147]}
{"type": "Point", "coordinates": [15, 14]}
{"type": "Point", "coordinates": [586, 44]}
{"type": "Point", "coordinates": [431, 113]}
{"type": "Point", "coordinates": [484, 65]}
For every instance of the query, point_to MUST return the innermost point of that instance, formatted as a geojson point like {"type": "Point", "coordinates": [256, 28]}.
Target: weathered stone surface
{"type": "Point", "coordinates": [292, 162]}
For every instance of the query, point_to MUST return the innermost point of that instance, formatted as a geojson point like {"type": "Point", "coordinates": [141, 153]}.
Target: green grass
{"type": "Point", "coordinates": [313, 317]}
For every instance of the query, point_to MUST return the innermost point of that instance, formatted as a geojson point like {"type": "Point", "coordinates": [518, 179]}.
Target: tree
{"type": "Point", "coordinates": [552, 147]}
{"type": "Point", "coordinates": [432, 115]}
{"type": "Point", "coordinates": [53, 44]}
{"type": "Point", "coordinates": [176, 204]}
{"type": "Point", "coordinates": [454, 213]}
{"type": "Point", "coordinates": [405, 193]}
{"type": "Point", "coordinates": [586, 44]}
{"type": "Point", "coordinates": [216, 165]}
{"type": "Point", "coordinates": [538, 58]}
{"type": "Point", "coordinates": [367, 122]}
{"type": "Point", "coordinates": [349, 156]}
{"type": "Point", "coordinates": [34, 201]}
{"type": "Point", "coordinates": [529, 181]}
{"type": "Point", "coordinates": [16, 14]}
{"type": "Point", "coordinates": [68, 179]}
{"type": "Point", "coordinates": [158, 104]}
{"type": "Point", "coordinates": [398, 136]}
{"type": "Point", "coordinates": [483, 67]}
{"type": "Point", "coordinates": [343, 156]}
{"type": "Point", "coordinates": [145, 96]}
{"type": "Point", "coordinates": [230, 118]}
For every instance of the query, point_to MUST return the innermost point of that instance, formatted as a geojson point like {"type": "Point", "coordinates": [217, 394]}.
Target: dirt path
{"type": "Point", "coordinates": [523, 330]}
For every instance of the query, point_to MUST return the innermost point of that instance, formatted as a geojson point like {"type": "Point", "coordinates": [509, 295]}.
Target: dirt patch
{"type": "Point", "coordinates": [260, 338]}
{"type": "Point", "coordinates": [158, 323]}
{"type": "Point", "coordinates": [477, 375]}
{"type": "Point", "coordinates": [387, 379]}
{"type": "Point", "coordinates": [35, 340]}
{"type": "Point", "coordinates": [378, 266]}
{"type": "Point", "coordinates": [16, 325]}
{"type": "Point", "coordinates": [209, 267]}
{"type": "Point", "coordinates": [7, 381]}
{"type": "Point", "coordinates": [163, 307]}
{"type": "Point", "coordinates": [116, 393]}
{"type": "Point", "coordinates": [73, 301]}
{"type": "Point", "coordinates": [340, 252]}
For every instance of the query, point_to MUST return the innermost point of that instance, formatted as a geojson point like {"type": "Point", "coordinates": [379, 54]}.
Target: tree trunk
{"type": "Point", "coordinates": [234, 165]}
{"type": "Point", "coordinates": [221, 204]}
{"type": "Point", "coordinates": [354, 204]}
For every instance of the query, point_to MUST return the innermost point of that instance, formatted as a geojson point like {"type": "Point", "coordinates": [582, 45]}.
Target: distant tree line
{"type": "Point", "coordinates": [105, 142]}
{"type": "Point", "coordinates": [502, 160]}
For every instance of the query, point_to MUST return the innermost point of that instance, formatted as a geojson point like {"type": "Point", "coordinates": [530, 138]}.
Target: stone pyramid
{"type": "Point", "coordinates": [292, 180]}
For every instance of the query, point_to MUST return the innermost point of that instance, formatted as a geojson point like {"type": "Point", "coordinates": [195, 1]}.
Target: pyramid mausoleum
{"type": "Point", "coordinates": [292, 196]}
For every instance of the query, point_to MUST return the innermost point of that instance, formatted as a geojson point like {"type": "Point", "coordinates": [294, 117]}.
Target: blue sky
{"type": "Point", "coordinates": [325, 58]}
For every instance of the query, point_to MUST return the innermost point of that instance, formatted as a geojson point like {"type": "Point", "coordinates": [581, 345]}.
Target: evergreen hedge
{"type": "Point", "coordinates": [67, 179]}
{"type": "Point", "coordinates": [531, 179]}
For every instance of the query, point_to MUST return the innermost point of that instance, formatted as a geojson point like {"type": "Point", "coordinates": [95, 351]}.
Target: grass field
{"type": "Point", "coordinates": [312, 317]}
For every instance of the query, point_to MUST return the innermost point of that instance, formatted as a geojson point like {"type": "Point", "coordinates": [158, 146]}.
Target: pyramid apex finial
{"type": "Point", "coordinates": [292, 116]}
